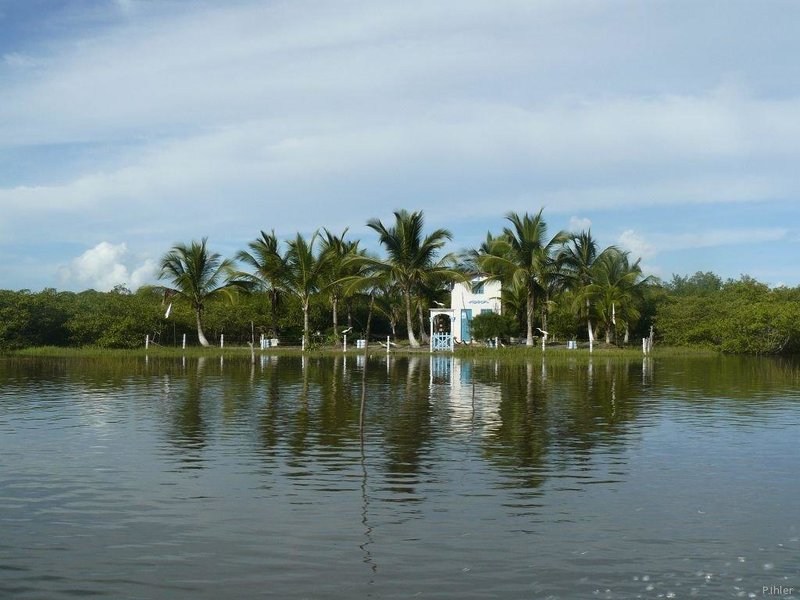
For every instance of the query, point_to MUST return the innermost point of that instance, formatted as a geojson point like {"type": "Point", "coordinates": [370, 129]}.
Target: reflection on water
{"type": "Point", "coordinates": [166, 478]}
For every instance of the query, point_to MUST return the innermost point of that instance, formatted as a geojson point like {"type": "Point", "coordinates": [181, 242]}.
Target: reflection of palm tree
{"type": "Point", "coordinates": [189, 424]}
{"type": "Point", "coordinates": [410, 429]}
{"type": "Point", "coordinates": [197, 276]}
{"type": "Point", "coordinates": [413, 259]}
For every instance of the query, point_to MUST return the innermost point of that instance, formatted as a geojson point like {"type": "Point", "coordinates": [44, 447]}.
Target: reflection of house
{"type": "Point", "coordinates": [472, 403]}
{"type": "Point", "coordinates": [469, 300]}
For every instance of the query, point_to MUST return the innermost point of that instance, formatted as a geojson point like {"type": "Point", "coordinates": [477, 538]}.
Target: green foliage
{"type": "Point", "coordinates": [301, 287]}
{"type": "Point", "coordinates": [742, 316]}
{"type": "Point", "coordinates": [490, 325]}
{"type": "Point", "coordinates": [117, 319]}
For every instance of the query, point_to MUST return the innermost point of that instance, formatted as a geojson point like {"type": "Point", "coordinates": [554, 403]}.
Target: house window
{"type": "Point", "coordinates": [479, 288]}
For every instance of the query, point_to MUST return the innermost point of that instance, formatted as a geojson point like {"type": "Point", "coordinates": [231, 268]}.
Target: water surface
{"type": "Point", "coordinates": [204, 478]}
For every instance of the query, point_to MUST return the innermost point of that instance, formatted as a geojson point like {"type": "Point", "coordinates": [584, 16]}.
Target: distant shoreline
{"type": "Point", "coordinates": [239, 352]}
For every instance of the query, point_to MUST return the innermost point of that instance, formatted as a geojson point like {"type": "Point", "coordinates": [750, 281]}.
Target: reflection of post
{"type": "Point", "coordinates": [647, 369]}
{"type": "Point", "coordinates": [364, 497]}
{"type": "Point", "coordinates": [529, 381]}
{"type": "Point", "coordinates": [364, 399]}
{"type": "Point", "coordinates": [614, 394]}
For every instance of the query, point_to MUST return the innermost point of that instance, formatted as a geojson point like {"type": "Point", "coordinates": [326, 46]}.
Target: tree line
{"type": "Point", "coordinates": [312, 288]}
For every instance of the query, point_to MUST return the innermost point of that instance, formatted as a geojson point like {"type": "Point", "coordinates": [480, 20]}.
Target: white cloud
{"type": "Point", "coordinates": [18, 60]}
{"type": "Point", "coordinates": [726, 237]}
{"type": "Point", "coordinates": [655, 243]}
{"type": "Point", "coordinates": [579, 224]}
{"type": "Point", "coordinates": [636, 244]}
{"type": "Point", "coordinates": [208, 118]}
{"type": "Point", "coordinates": [105, 266]}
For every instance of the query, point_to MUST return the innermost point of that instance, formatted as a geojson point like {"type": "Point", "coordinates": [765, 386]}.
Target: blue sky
{"type": "Point", "coordinates": [672, 128]}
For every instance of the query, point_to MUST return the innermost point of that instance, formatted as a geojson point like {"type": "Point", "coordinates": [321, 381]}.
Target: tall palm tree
{"type": "Point", "coordinates": [579, 258]}
{"type": "Point", "coordinates": [413, 259]}
{"type": "Point", "coordinates": [389, 303]}
{"type": "Point", "coordinates": [618, 291]}
{"type": "Point", "coordinates": [337, 253]}
{"type": "Point", "coordinates": [269, 271]}
{"type": "Point", "coordinates": [198, 276]}
{"type": "Point", "coordinates": [305, 273]}
{"type": "Point", "coordinates": [522, 256]}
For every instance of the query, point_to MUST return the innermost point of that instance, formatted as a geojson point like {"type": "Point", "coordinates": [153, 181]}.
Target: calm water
{"type": "Point", "coordinates": [200, 479]}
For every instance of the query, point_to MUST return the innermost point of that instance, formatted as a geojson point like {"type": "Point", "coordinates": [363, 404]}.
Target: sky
{"type": "Point", "coordinates": [670, 128]}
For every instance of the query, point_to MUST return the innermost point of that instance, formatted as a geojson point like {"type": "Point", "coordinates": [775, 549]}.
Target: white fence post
{"type": "Point", "coordinates": [184, 342]}
{"type": "Point", "coordinates": [147, 341]}
{"type": "Point", "coordinates": [221, 340]}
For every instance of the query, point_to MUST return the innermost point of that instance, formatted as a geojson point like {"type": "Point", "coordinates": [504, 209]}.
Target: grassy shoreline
{"type": "Point", "coordinates": [504, 354]}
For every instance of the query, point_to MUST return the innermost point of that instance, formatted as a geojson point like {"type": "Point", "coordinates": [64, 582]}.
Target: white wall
{"type": "Point", "coordinates": [463, 298]}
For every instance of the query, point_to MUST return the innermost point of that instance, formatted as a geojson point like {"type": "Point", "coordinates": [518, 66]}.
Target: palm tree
{"type": "Point", "coordinates": [337, 253]}
{"type": "Point", "coordinates": [305, 274]}
{"type": "Point", "coordinates": [470, 258]}
{"type": "Point", "coordinates": [269, 271]}
{"type": "Point", "coordinates": [578, 259]}
{"type": "Point", "coordinates": [618, 291]}
{"type": "Point", "coordinates": [389, 303]}
{"type": "Point", "coordinates": [523, 256]}
{"type": "Point", "coordinates": [413, 259]}
{"type": "Point", "coordinates": [198, 276]}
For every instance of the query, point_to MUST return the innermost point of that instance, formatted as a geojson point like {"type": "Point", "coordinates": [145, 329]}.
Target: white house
{"type": "Point", "coordinates": [469, 300]}
{"type": "Point", "coordinates": [449, 325]}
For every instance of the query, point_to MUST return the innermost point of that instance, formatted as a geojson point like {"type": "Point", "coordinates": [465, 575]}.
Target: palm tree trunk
{"type": "Point", "coordinates": [627, 334]}
{"type": "Point", "coordinates": [369, 320]}
{"type": "Point", "coordinates": [335, 304]}
{"type": "Point", "coordinates": [274, 313]}
{"type": "Point", "coordinates": [545, 309]}
{"type": "Point", "coordinates": [529, 340]}
{"type": "Point", "coordinates": [423, 336]}
{"type": "Point", "coordinates": [410, 322]}
{"type": "Point", "coordinates": [608, 334]}
{"type": "Point", "coordinates": [305, 324]}
{"type": "Point", "coordinates": [200, 335]}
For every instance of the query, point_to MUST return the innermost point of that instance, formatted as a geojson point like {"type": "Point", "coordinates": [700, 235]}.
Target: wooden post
{"type": "Point", "coordinates": [184, 341]}
{"type": "Point", "coordinates": [388, 345]}
{"type": "Point", "coordinates": [221, 340]}
{"type": "Point", "coordinates": [147, 341]}
{"type": "Point", "coordinates": [344, 346]}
